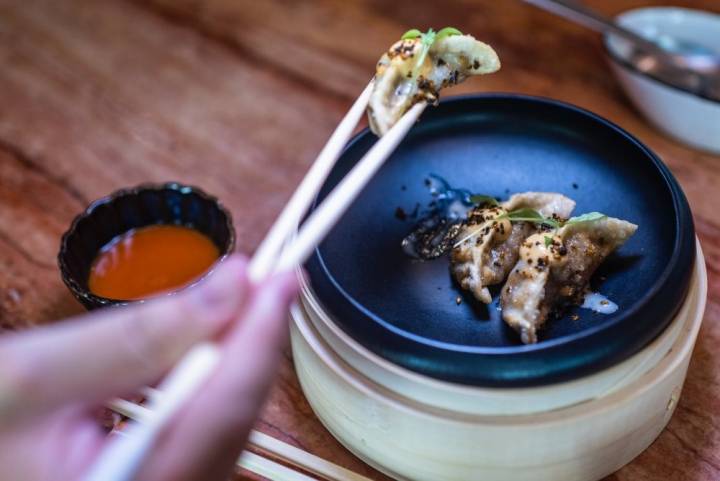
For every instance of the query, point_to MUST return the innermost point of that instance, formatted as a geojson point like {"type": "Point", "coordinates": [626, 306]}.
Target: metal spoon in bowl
{"type": "Point", "coordinates": [681, 63]}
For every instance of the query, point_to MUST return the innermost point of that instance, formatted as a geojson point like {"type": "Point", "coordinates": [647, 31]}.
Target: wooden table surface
{"type": "Point", "coordinates": [238, 97]}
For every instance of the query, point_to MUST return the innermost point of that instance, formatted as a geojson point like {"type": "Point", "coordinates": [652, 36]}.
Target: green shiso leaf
{"type": "Point", "coordinates": [447, 32]}
{"type": "Point", "coordinates": [530, 215]}
{"type": "Point", "coordinates": [589, 217]}
{"type": "Point", "coordinates": [481, 199]}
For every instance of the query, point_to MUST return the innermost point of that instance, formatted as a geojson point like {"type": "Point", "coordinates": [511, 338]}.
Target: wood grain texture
{"type": "Point", "coordinates": [238, 97]}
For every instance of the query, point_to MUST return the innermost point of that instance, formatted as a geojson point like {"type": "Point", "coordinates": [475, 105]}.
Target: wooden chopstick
{"type": "Point", "coordinates": [266, 254]}
{"type": "Point", "coordinates": [326, 215]}
{"type": "Point", "coordinates": [286, 453]}
{"type": "Point", "coordinates": [119, 460]}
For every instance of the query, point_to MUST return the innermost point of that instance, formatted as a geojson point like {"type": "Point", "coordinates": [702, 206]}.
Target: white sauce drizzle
{"type": "Point", "coordinates": [403, 89]}
{"type": "Point", "coordinates": [599, 303]}
{"type": "Point", "coordinates": [457, 209]}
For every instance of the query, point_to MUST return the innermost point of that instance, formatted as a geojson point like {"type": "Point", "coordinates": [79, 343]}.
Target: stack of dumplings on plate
{"type": "Point", "coordinates": [545, 258]}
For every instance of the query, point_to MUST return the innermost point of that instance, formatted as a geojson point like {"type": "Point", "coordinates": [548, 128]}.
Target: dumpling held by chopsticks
{"type": "Point", "coordinates": [416, 67]}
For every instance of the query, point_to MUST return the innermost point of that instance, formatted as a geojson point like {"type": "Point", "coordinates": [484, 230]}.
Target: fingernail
{"type": "Point", "coordinates": [219, 296]}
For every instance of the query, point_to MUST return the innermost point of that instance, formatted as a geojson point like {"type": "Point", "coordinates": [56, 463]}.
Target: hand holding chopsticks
{"type": "Point", "coordinates": [119, 461]}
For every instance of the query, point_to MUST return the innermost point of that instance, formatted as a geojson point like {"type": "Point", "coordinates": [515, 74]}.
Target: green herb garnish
{"type": "Point", "coordinates": [481, 199]}
{"type": "Point", "coordinates": [589, 217]}
{"type": "Point", "coordinates": [527, 214]}
{"type": "Point", "coordinates": [531, 215]}
{"type": "Point", "coordinates": [520, 215]}
{"type": "Point", "coordinates": [426, 41]}
{"type": "Point", "coordinates": [473, 233]}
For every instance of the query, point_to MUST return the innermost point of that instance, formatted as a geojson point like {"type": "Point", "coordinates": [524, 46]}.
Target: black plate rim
{"type": "Point", "coordinates": [679, 264]}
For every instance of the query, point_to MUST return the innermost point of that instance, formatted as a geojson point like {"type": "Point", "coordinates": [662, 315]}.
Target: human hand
{"type": "Point", "coordinates": [52, 379]}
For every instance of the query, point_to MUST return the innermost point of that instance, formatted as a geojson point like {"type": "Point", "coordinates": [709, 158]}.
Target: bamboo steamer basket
{"type": "Point", "coordinates": [413, 427]}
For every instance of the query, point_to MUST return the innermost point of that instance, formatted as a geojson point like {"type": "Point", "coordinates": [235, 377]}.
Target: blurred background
{"type": "Point", "coordinates": [238, 97]}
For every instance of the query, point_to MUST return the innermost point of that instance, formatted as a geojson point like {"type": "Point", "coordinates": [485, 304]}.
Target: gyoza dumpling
{"type": "Point", "coordinates": [548, 204]}
{"type": "Point", "coordinates": [409, 72]}
{"type": "Point", "coordinates": [555, 268]}
{"type": "Point", "coordinates": [486, 258]}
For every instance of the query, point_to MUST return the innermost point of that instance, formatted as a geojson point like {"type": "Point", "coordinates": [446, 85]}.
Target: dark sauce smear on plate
{"type": "Point", "coordinates": [439, 222]}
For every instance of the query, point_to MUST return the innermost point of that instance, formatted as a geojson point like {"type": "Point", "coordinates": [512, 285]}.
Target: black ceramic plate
{"type": "Point", "coordinates": [406, 311]}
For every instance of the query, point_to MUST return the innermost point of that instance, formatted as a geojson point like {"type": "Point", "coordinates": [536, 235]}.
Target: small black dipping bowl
{"type": "Point", "coordinates": [499, 144]}
{"type": "Point", "coordinates": [126, 209]}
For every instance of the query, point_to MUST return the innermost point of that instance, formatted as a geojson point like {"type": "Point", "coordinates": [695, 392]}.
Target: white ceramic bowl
{"type": "Point", "coordinates": [689, 118]}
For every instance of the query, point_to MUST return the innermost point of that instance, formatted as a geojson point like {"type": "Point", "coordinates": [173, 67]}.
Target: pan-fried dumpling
{"type": "Point", "coordinates": [409, 72]}
{"type": "Point", "coordinates": [486, 258]}
{"type": "Point", "coordinates": [554, 269]}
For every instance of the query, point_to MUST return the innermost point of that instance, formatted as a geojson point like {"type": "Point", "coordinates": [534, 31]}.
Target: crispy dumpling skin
{"type": "Point", "coordinates": [449, 61]}
{"type": "Point", "coordinates": [549, 275]}
{"type": "Point", "coordinates": [487, 258]}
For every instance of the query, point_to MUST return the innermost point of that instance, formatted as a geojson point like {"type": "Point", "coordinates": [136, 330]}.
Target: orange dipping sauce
{"type": "Point", "coordinates": [151, 260]}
